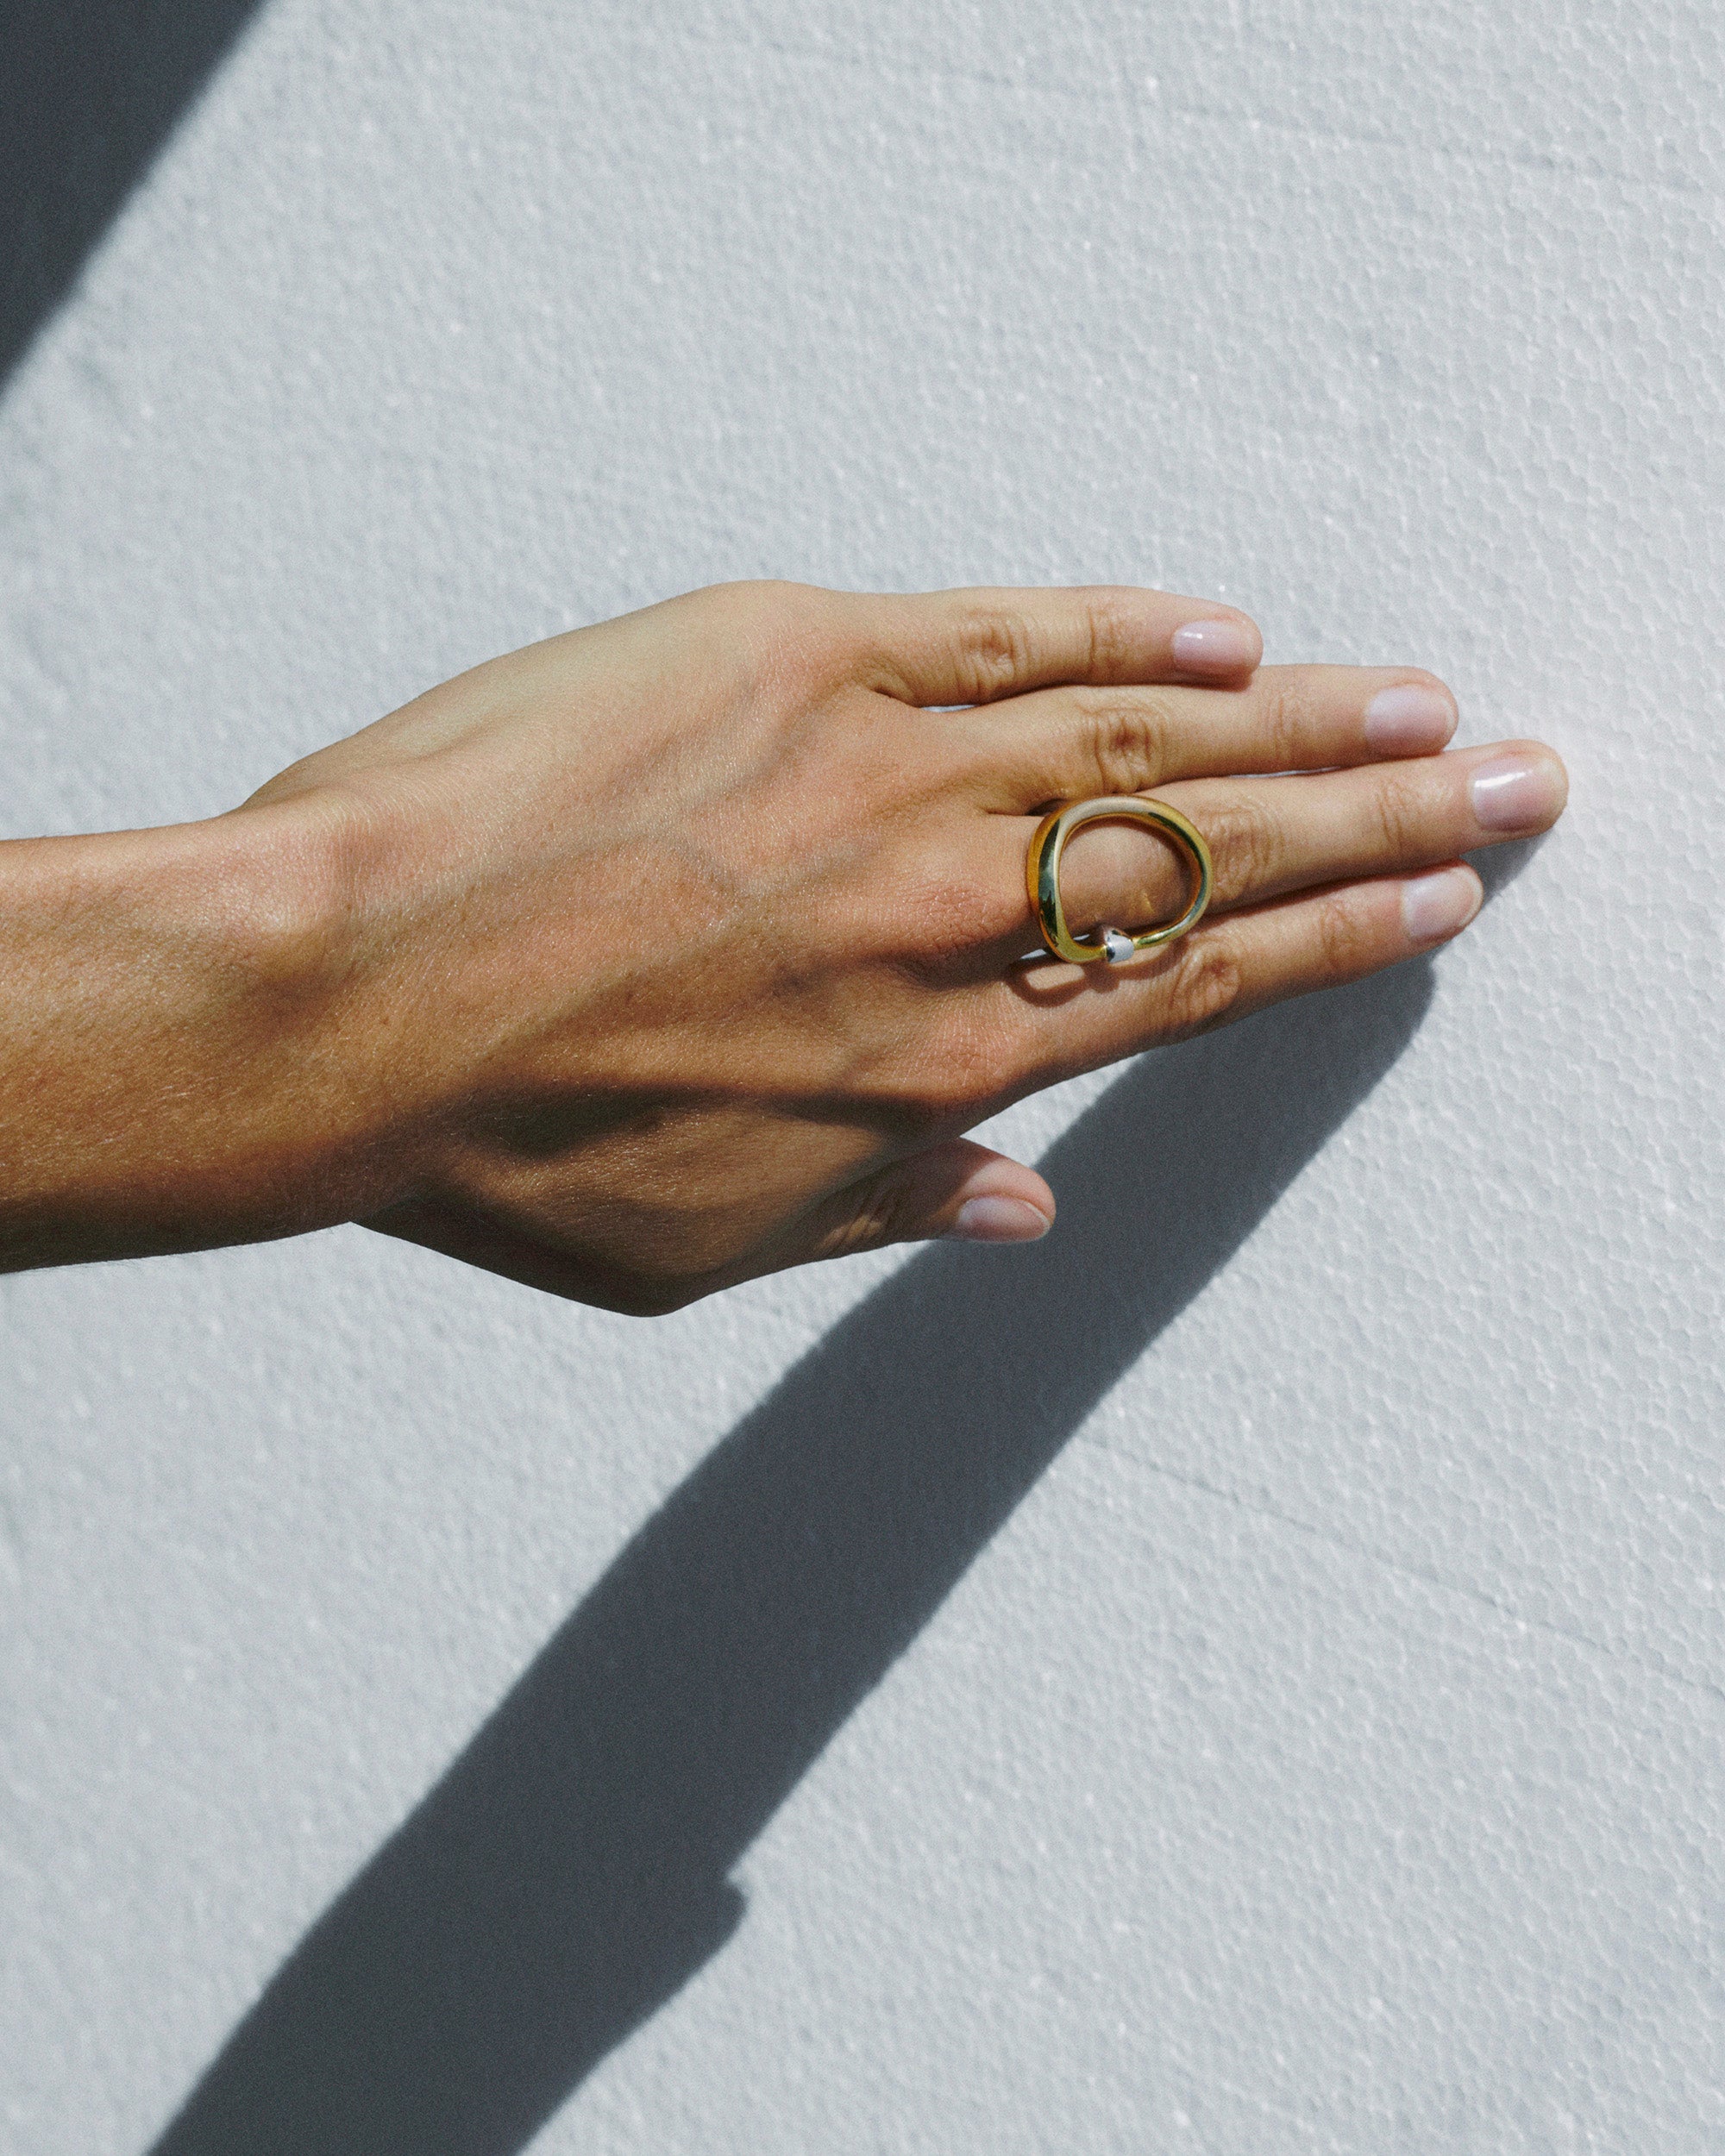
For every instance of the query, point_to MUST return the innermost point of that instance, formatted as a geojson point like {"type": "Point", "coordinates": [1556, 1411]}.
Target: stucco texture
{"type": "Point", "coordinates": [1245, 1676]}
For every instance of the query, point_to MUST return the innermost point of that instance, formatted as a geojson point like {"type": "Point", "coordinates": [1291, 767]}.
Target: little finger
{"type": "Point", "coordinates": [1071, 1019]}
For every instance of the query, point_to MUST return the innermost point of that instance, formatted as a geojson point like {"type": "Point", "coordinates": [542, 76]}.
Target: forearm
{"type": "Point", "coordinates": [166, 1077]}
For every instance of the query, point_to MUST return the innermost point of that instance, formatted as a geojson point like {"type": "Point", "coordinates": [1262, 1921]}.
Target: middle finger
{"type": "Point", "coordinates": [1066, 743]}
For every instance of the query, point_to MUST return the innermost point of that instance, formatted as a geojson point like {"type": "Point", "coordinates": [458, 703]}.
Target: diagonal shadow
{"type": "Point", "coordinates": [569, 1872]}
{"type": "Point", "coordinates": [90, 91]}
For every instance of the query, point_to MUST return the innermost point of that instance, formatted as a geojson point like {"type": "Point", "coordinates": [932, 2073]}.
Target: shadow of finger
{"type": "Point", "coordinates": [571, 1868]}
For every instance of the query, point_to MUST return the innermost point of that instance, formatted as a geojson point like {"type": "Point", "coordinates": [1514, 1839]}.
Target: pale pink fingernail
{"type": "Point", "coordinates": [999, 1220]}
{"type": "Point", "coordinates": [1409, 720]}
{"type": "Point", "coordinates": [1214, 647]}
{"type": "Point", "coordinates": [1517, 793]}
{"type": "Point", "coordinates": [1438, 906]}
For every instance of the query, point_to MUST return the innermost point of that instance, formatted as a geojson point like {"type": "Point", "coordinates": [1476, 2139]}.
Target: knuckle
{"type": "Point", "coordinates": [1115, 645]}
{"type": "Point", "coordinates": [1401, 816]}
{"type": "Point", "coordinates": [881, 1212]}
{"type": "Point", "coordinates": [754, 603]}
{"type": "Point", "coordinates": [946, 912]}
{"type": "Point", "coordinates": [1246, 845]}
{"type": "Point", "coordinates": [996, 651]}
{"type": "Point", "coordinates": [1128, 741]}
{"type": "Point", "coordinates": [1344, 938]}
{"type": "Point", "coordinates": [953, 1079]}
{"type": "Point", "coordinates": [1202, 987]}
{"type": "Point", "coordinates": [775, 622]}
{"type": "Point", "coordinates": [768, 599]}
{"type": "Point", "coordinates": [871, 773]}
{"type": "Point", "coordinates": [1287, 720]}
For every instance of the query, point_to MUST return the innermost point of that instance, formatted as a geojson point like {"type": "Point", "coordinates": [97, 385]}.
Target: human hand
{"type": "Point", "coordinates": [683, 949]}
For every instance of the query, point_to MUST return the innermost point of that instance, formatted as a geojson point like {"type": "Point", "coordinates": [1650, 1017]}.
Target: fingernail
{"type": "Point", "coordinates": [1408, 720]}
{"type": "Point", "coordinates": [998, 1220]}
{"type": "Point", "coordinates": [1214, 647]}
{"type": "Point", "coordinates": [1438, 906]}
{"type": "Point", "coordinates": [1516, 794]}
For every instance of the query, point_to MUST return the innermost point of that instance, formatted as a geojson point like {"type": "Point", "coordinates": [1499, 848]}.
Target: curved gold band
{"type": "Point", "coordinates": [1042, 876]}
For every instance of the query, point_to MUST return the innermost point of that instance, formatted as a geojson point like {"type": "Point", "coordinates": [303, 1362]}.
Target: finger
{"type": "Point", "coordinates": [1268, 836]}
{"type": "Point", "coordinates": [1066, 743]}
{"type": "Point", "coordinates": [958, 1189]}
{"type": "Point", "coordinates": [973, 646]}
{"type": "Point", "coordinates": [1065, 1022]}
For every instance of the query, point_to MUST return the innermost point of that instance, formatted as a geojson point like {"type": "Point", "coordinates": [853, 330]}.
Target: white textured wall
{"type": "Point", "coordinates": [1245, 1677]}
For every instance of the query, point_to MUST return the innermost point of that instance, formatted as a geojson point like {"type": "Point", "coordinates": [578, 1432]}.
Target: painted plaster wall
{"type": "Point", "coordinates": [1278, 1704]}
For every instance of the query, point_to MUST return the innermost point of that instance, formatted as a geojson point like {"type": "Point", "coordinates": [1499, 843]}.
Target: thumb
{"type": "Point", "coordinates": [959, 1190]}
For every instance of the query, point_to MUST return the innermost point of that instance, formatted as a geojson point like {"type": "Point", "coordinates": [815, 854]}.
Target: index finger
{"type": "Point", "coordinates": [973, 647]}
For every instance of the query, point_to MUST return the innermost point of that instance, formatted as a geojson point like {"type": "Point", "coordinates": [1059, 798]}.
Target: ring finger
{"type": "Point", "coordinates": [1272, 836]}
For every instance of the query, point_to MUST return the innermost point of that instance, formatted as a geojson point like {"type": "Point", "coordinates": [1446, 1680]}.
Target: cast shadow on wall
{"type": "Point", "coordinates": [570, 1871]}
{"type": "Point", "coordinates": [89, 90]}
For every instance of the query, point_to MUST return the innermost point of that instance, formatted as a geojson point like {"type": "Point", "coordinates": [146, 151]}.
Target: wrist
{"type": "Point", "coordinates": [171, 1073]}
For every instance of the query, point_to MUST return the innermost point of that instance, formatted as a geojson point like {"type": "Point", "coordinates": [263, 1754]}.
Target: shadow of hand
{"type": "Point", "coordinates": [570, 1870]}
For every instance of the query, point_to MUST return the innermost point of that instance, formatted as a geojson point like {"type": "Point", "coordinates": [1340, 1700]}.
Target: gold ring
{"type": "Point", "coordinates": [1042, 876]}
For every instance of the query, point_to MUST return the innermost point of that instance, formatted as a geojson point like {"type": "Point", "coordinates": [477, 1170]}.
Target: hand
{"type": "Point", "coordinates": [682, 948]}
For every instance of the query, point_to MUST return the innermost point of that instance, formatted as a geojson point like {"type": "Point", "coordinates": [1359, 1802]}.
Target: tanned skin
{"type": "Point", "coordinates": [685, 948]}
